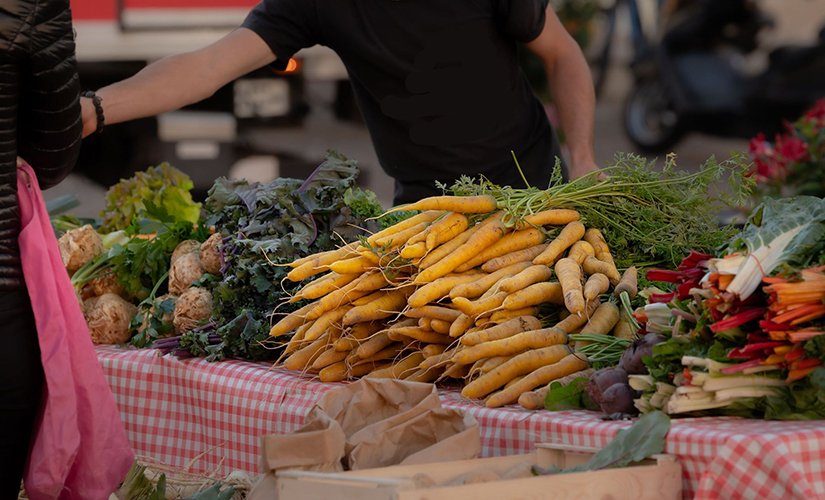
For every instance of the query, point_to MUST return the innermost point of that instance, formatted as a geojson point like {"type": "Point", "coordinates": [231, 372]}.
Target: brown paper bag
{"type": "Point", "coordinates": [370, 423]}
{"type": "Point", "coordinates": [437, 435]}
{"type": "Point", "coordinates": [317, 446]}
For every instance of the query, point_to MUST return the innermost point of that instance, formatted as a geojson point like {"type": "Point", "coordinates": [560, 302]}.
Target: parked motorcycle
{"type": "Point", "coordinates": [692, 80]}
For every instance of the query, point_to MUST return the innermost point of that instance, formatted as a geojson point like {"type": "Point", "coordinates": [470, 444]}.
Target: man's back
{"type": "Point", "coordinates": [438, 82]}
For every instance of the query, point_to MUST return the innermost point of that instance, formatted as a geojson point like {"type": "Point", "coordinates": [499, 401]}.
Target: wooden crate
{"type": "Point", "coordinates": [657, 478]}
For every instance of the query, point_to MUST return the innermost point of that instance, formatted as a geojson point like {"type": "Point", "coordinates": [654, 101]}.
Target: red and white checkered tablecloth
{"type": "Point", "coordinates": [214, 413]}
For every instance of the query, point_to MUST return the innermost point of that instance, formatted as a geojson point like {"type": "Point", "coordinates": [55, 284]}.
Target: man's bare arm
{"type": "Point", "coordinates": [179, 80]}
{"type": "Point", "coordinates": [571, 88]}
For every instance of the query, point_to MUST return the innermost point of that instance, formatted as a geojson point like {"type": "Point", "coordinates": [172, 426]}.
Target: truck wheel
{"type": "Point", "coordinates": [650, 120]}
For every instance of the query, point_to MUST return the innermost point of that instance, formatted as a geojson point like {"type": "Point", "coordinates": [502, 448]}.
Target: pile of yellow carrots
{"type": "Point", "coordinates": [454, 292]}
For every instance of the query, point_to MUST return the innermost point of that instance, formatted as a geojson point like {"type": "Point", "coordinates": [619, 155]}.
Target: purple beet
{"type": "Point", "coordinates": [631, 360]}
{"type": "Point", "coordinates": [603, 379]}
{"type": "Point", "coordinates": [618, 398]}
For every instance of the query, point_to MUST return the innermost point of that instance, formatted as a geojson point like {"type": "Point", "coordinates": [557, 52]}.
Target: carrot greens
{"type": "Point", "coordinates": [649, 216]}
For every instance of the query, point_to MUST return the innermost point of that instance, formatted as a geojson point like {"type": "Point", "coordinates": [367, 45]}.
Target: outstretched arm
{"type": "Point", "coordinates": [571, 88]}
{"type": "Point", "coordinates": [179, 80]}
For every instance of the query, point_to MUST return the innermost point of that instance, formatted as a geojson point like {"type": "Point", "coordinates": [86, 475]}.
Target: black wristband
{"type": "Point", "coordinates": [98, 110]}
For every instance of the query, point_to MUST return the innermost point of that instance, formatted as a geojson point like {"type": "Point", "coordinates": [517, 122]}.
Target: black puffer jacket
{"type": "Point", "coordinates": [39, 109]}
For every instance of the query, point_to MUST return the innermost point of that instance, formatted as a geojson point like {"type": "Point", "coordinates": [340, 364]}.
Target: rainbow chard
{"type": "Point", "coordinates": [790, 230]}
{"type": "Point", "coordinates": [740, 319]}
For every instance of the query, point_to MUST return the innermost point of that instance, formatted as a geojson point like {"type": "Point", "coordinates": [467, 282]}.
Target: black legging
{"type": "Point", "coordinates": [21, 384]}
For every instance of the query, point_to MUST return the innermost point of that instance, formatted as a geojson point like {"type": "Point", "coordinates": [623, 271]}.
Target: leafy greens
{"type": "Point", "coordinates": [164, 185]}
{"type": "Point", "coordinates": [266, 227]}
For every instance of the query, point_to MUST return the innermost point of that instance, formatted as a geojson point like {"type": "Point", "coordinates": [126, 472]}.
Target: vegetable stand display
{"type": "Point", "coordinates": [179, 410]}
{"type": "Point", "coordinates": [499, 295]}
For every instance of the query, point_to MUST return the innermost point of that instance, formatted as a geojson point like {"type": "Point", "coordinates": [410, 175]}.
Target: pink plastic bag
{"type": "Point", "coordinates": [80, 449]}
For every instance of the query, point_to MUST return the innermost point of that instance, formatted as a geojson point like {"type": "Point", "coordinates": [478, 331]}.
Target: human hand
{"type": "Point", "coordinates": [89, 116]}
{"type": "Point", "coordinates": [581, 167]}
{"type": "Point", "coordinates": [20, 162]}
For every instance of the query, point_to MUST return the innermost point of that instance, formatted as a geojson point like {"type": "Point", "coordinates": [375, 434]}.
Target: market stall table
{"type": "Point", "coordinates": [210, 416]}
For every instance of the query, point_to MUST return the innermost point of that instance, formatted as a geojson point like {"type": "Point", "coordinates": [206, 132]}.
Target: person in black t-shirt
{"type": "Point", "coordinates": [438, 83]}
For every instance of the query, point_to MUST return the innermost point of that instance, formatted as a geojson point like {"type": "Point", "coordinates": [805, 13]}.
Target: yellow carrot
{"type": "Point", "coordinates": [427, 216]}
{"type": "Point", "coordinates": [460, 325]}
{"type": "Point", "coordinates": [400, 369]}
{"type": "Point", "coordinates": [357, 334]}
{"type": "Point", "coordinates": [549, 292]}
{"type": "Point", "coordinates": [297, 340]}
{"type": "Point", "coordinates": [326, 258]}
{"type": "Point", "coordinates": [601, 323]}
{"type": "Point", "coordinates": [440, 326]}
{"type": "Point", "coordinates": [328, 357]}
{"type": "Point", "coordinates": [596, 285]}
{"type": "Point", "coordinates": [413, 251]}
{"type": "Point", "coordinates": [354, 265]}
{"type": "Point", "coordinates": [425, 324]}
{"type": "Point", "coordinates": [335, 372]}
{"type": "Point", "coordinates": [571, 233]}
{"type": "Point", "coordinates": [433, 350]}
{"type": "Point", "coordinates": [580, 251]}
{"type": "Point", "coordinates": [437, 359]}
{"type": "Point", "coordinates": [534, 339]}
{"type": "Point", "coordinates": [390, 352]}
{"type": "Point", "coordinates": [525, 278]}
{"type": "Point", "coordinates": [500, 317]}
{"type": "Point", "coordinates": [362, 369]}
{"type": "Point", "coordinates": [624, 330]}
{"type": "Point", "coordinates": [480, 240]}
{"type": "Point", "coordinates": [437, 312]}
{"type": "Point", "coordinates": [477, 288]}
{"type": "Point", "coordinates": [513, 242]}
{"type": "Point", "coordinates": [526, 255]}
{"type": "Point", "coordinates": [396, 240]}
{"type": "Point", "coordinates": [321, 287]}
{"type": "Point", "coordinates": [553, 217]}
{"type": "Point", "coordinates": [446, 229]}
{"type": "Point", "coordinates": [343, 295]}
{"type": "Point", "coordinates": [592, 266]}
{"type": "Point", "coordinates": [439, 289]}
{"type": "Point", "coordinates": [374, 344]}
{"type": "Point", "coordinates": [304, 271]}
{"type": "Point", "coordinates": [476, 308]}
{"type": "Point", "coordinates": [291, 321]}
{"type": "Point", "coordinates": [502, 331]}
{"type": "Point", "coordinates": [417, 333]}
{"type": "Point", "coordinates": [423, 375]}
{"type": "Point", "coordinates": [390, 304]}
{"type": "Point", "coordinates": [491, 364]}
{"type": "Point", "coordinates": [519, 365]}
{"type": "Point", "coordinates": [302, 358]}
{"type": "Point", "coordinates": [570, 278]}
{"type": "Point", "coordinates": [628, 283]}
{"type": "Point", "coordinates": [450, 246]}
{"type": "Point", "coordinates": [481, 204]}
{"type": "Point", "coordinates": [572, 363]}
{"type": "Point", "coordinates": [596, 239]}
{"type": "Point", "coordinates": [326, 320]}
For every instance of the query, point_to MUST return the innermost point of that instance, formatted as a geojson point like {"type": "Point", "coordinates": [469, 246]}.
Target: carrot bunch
{"type": "Point", "coordinates": [454, 292]}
